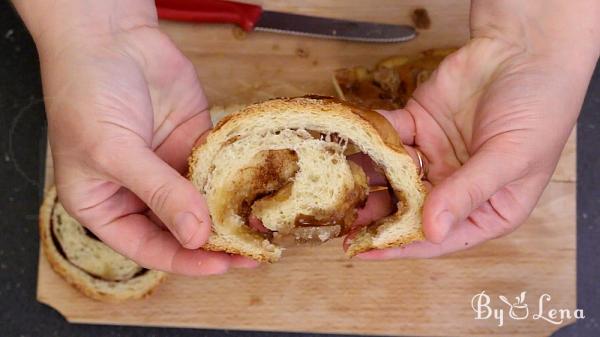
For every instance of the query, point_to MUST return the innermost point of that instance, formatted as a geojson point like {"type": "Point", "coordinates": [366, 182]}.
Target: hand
{"type": "Point", "coordinates": [124, 110]}
{"type": "Point", "coordinates": [491, 122]}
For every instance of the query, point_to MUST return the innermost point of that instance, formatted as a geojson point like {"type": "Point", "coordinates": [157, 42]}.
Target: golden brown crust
{"type": "Point", "coordinates": [227, 249]}
{"type": "Point", "coordinates": [222, 122]}
{"type": "Point", "coordinates": [376, 120]}
{"type": "Point", "coordinates": [355, 249]}
{"type": "Point", "coordinates": [67, 271]}
{"type": "Point", "coordinates": [381, 124]}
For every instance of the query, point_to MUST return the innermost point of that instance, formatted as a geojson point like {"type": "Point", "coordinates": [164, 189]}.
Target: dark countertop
{"type": "Point", "coordinates": [22, 153]}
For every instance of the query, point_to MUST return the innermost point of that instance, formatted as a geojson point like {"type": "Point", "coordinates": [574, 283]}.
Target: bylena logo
{"type": "Point", "coordinates": [519, 309]}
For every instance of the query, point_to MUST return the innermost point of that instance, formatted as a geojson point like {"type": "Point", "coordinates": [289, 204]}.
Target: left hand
{"type": "Point", "coordinates": [124, 108]}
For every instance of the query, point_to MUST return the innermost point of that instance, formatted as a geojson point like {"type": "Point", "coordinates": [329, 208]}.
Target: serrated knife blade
{"type": "Point", "coordinates": [328, 28]}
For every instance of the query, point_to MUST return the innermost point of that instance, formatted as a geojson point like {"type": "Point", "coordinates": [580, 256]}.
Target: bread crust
{"type": "Point", "coordinates": [87, 284]}
{"type": "Point", "coordinates": [264, 257]}
{"type": "Point", "coordinates": [371, 121]}
{"type": "Point", "coordinates": [385, 130]}
{"type": "Point", "coordinates": [357, 248]}
{"type": "Point", "coordinates": [379, 123]}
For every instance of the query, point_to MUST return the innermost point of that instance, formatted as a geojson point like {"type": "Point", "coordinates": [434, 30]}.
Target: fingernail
{"type": "Point", "coordinates": [186, 225]}
{"type": "Point", "coordinates": [444, 222]}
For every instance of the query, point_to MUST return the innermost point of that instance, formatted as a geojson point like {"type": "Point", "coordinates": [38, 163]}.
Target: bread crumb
{"type": "Point", "coordinates": [255, 300]}
{"type": "Point", "coordinates": [303, 53]}
{"type": "Point", "coordinates": [421, 19]}
{"type": "Point", "coordinates": [238, 33]}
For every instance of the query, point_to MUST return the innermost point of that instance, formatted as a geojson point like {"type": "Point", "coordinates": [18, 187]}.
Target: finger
{"type": "Point", "coordinates": [423, 163]}
{"type": "Point", "coordinates": [139, 239]}
{"type": "Point", "coordinates": [178, 145]}
{"type": "Point", "coordinates": [403, 122]}
{"type": "Point", "coordinates": [170, 196]}
{"type": "Point", "coordinates": [176, 93]}
{"type": "Point", "coordinates": [375, 174]}
{"type": "Point", "coordinates": [202, 138]}
{"type": "Point", "coordinates": [238, 261]}
{"type": "Point", "coordinates": [105, 207]}
{"type": "Point", "coordinates": [155, 219]}
{"type": "Point", "coordinates": [428, 186]}
{"type": "Point", "coordinates": [465, 190]}
{"type": "Point", "coordinates": [256, 224]}
{"type": "Point", "coordinates": [463, 236]}
{"type": "Point", "coordinates": [379, 204]}
{"type": "Point", "coordinates": [501, 215]}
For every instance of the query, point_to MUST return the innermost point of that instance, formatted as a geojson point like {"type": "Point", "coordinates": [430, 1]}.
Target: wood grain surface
{"type": "Point", "coordinates": [317, 289]}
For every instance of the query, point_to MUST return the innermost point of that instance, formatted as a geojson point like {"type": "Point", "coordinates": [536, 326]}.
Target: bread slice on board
{"type": "Point", "coordinates": [283, 162]}
{"type": "Point", "coordinates": [87, 263]}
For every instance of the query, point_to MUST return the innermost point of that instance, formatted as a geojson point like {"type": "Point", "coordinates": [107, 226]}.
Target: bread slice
{"type": "Point", "coordinates": [88, 264]}
{"type": "Point", "coordinates": [283, 162]}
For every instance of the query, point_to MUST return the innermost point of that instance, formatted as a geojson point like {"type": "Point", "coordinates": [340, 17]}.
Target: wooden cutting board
{"type": "Point", "coordinates": [317, 289]}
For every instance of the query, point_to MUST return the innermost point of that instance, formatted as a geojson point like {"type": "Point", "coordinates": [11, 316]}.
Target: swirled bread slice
{"type": "Point", "coordinates": [284, 162]}
{"type": "Point", "coordinates": [88, 264]}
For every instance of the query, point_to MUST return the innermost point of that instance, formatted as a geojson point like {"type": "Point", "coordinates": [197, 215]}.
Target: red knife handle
{"type": "Point", "coordinates": [218, 11]}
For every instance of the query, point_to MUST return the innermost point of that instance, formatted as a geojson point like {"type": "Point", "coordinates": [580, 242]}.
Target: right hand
{"type": "Point", "coordinates": [124, 110]}
{"type": "Point", "coordinates": [493, 118]}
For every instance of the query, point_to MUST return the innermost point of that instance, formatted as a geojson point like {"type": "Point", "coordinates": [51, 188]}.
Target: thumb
{"type": "Point", "coordinates": [403, 122]}
{"type": "Point", "coordinates": [454, 199]}
{"type": "Point", "coordinates": [170, 196]}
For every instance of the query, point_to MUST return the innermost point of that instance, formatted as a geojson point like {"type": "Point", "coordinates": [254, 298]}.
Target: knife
{"type": "Point", "coordinates": [251, 17]}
